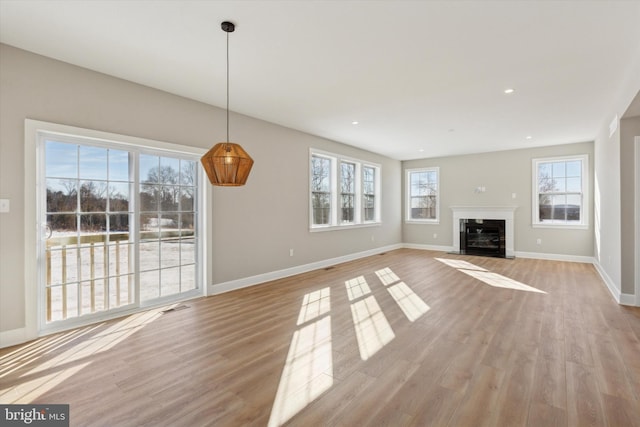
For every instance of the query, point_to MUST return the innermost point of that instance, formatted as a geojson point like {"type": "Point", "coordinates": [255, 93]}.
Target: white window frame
{"type": "Point", "coordinates": [408, 218]}
{"type": "Point", "coordinates": [335, 216]}
{"type": "Point", "coordinates": [584, 208]}
{"type": "Point", "coordinates": [34, 130]}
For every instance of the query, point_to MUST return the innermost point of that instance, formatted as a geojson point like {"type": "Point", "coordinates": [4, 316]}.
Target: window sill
{"type": "Point", "coordinates": [423, 221]}
{"type": "Point", "coordinates": [343, 227]}
{"type": "Point", "coordinates": [562, 226]}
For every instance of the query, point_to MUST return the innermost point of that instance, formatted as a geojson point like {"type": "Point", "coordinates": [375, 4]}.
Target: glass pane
{"type": "Point", "coordinates": [321, 208]}
{"type": "Point", "coordinates": [187, 172]}
{"type": "Point", "coordinates": [186, 199]}
{"type": "Point", "coordinates": [573, 207]}
{"type": "Point", "coordinates": [187, 251]}
{"type": "Point", "coordinates": [546, 185]}
{"type": "Point", "coordinates": [169, 223]}
{"type": "Point", "coordinates": [574, 169]}
{"type": "Point", "coordinates": [93, 196]}
{"type": "Point", "coordinates": [149, 226]}
{"type": "Point", "coordinates": [149, 198]}
{"type": "Point", "coordinates": [61, 228]}
{"type": "Point", "coordinates": [169, 253]}
{"type": "Point", "coordinates": [92, 225]}
{"type": "Point", "coordinates": [169, 196]}
{"type": "Point", "coordinates": [169, 281]}
{"type": "Point", "coordinates": [187, 224]}
{"type": "Point", "coordinates": [169, 170]}
{"type": "Point", "coordinates": [544, 207]}
{"type": "Point", "coordinates": [544, 170]}
{"type": "Point", "coordinates": [62, 195]}
{"type": "Point", "coordinates": [188, 277]}
{"type": "Point", "coordinates": [72, 300]}
{"type": "Point", "coordinates": [92, 258]}
{"type": "Point", "coordinates": [560, 185]}
{"type": "Point", "coordinates": [119, 197]}
{"type": "Point", "coordinates": [118, 227]}
{"type": "Point", "coordinates": [431, 177]}
{"type": "Point", "coordinates": [320, 174]}
{"type": "Point", "coordinates": [149, 285]}
{"type": "Point", "coordinates": [93, 163]}
{"type": "Point", "coordinates": [61, 160]}
{"type": "Point", "coordinates": [559, 207]}
{"type": "Point", "coordinates": [559, 169]}
{"type": "Point", "coordinates": [118, 165]}
{"type": "Point", "coordinates": [369, 208]}
{"type": "Point", "coordinates": [149, 255]}
{"type": "Point", "coordinates": [149, 168]}
{"type": "Point", "coordinates": [347, 177]}
{"type": "Point", "coordinates": [574, 185]}
{"type": "Point", "coordinates": [120, 258]}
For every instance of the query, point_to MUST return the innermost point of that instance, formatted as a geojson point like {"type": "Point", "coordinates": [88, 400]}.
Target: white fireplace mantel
{"type": "Point", "coordinates": [505, 213]}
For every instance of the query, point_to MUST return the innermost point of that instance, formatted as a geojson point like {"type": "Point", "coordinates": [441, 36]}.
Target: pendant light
{"type": "Point", "coordinates": [227, 164]}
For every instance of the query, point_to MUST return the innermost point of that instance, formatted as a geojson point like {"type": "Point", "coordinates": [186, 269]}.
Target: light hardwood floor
{"type": "Point", "coordinates": [474, 342]}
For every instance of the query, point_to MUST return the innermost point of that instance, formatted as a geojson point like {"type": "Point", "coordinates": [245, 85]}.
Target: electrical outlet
{"type": "Point", "coordinates": [435, 235]}
{"type": "Point", "coordinates": [539, 241]}
{"type": "Point", "coordinates": [513, 195]}
{"type": "Point", "coordinates": [4, 206]}
{"type": "Point", "coordinates": [290, 252]}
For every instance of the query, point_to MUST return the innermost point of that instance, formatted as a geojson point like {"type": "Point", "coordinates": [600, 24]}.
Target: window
{"type": "Point", "coordinates": [348, 191]}
{"type": "Point", "coordinates": [344, 192]}
{"type": "Point", "coordinates": [560, 196]}
{"type": "Point", "coordinates": [120, 224]}
{"type": "Point", "coordinates": [423, 204]}
{"type": "Point", "coordinates": [369, 193]}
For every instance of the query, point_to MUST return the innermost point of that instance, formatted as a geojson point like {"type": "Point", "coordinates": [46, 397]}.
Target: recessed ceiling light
{"type": "Point", "coordinates": [528, 137]}
{"type": "Point", "coordinates": [451, 130]}
{"type": "Point", "coordinates": [354, 122]}
{"type": "Point", "coordinates": [509, 91]}
{"type": "Point", "coordinates": [421, 150]}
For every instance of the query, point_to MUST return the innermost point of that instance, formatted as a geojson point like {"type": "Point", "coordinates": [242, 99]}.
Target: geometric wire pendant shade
{"type": "Point", "coordinates": [227, 164]}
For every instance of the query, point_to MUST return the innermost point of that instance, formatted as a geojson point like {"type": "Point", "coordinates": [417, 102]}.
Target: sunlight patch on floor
{"type": "Point", "coordinates": [372, 328]}
{"type": "Point", "coordinates": [492, 279]}
{"type": "Point", "coordinates": [314, 304]}
{"type": "Point", "coordinates": [499, 281]}
{"type": "Point", "coordinates": [411, 304]}
{"type": "Point", "coordinates": [38, 380]}
{"type": "Point", "coordinates": [308, 370]}
{"type": "Point", "coordinates": [387, 276]}
{"type": "Point", "coordinates": [357, 288]}
{"type": "Point", "coordinates": [460, 264]}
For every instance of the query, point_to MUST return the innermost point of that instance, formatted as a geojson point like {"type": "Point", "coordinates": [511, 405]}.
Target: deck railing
{"type": "Point", "coordinates": [97, 252]}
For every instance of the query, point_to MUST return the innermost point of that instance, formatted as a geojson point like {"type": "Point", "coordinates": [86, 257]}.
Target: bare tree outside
{"type": "Point", "coordinates": [320, 189]}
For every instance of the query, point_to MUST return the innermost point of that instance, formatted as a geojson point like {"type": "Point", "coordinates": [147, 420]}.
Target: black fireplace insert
{"type": "Point", "coordinates": [482, 237]}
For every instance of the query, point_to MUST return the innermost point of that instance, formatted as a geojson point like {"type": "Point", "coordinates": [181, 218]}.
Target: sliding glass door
{"type": "Point", "coordinates": [119, 228]}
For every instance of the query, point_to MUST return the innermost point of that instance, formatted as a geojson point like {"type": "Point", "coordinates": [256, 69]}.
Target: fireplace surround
{"type": "Point", "coordinates": [505, 213]}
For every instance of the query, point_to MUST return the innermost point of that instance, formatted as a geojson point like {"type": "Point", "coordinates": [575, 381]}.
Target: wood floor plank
{"type": "Point", "coordinates": [559, 353]}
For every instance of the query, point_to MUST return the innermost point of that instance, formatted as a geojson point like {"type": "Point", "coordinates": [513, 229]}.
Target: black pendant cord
{"type": "Point", "coordinates": [227, 90]}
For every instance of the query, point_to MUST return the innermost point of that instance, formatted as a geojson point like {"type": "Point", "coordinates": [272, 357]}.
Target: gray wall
{"type": "Point", "coordinates": [629, 129]}
{"type": "Point", "coordinates": [502, 174]}
{"type": "Point", "coordinates": [254, 226]}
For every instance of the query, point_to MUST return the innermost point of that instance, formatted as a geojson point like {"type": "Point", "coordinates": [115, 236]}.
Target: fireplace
{"type": "Point", "coordinates": [482, 237]}
{"type": "Point", "coordinates": [484, 214]}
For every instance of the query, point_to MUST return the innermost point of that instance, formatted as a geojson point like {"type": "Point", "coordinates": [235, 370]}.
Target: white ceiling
{"type": "Point", "coordinates": [416, 75]}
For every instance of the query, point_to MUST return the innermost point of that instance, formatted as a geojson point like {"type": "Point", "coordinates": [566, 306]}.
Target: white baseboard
{"type": "Point", "coordinates": [233, 285]}
{"type": "Point", "coordinates": [428, 247]}
{"type": "Point", "coordinates": [615, 292]}
{"type": "Point", "coordinates": [556, 257]}
{"type": "Point", "coordinates": [13, 337]}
